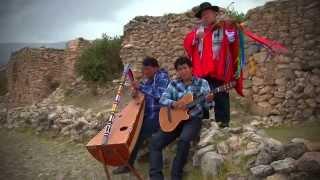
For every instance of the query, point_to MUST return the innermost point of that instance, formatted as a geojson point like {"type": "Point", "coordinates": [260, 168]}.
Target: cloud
{"type": "Point", "coordinates": [47, 20]}
{"type": "Point", "coordinates": [62, 20]}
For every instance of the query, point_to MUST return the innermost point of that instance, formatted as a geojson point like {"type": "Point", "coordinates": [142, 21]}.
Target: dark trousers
{"type": "Point", "coordinates": [222, 102]}
{"type": "Point", "coordinates": [146, 132]}
{"type": "Point", "coordinates": [187, 131]}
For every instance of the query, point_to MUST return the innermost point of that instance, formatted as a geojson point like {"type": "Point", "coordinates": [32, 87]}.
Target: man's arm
{"type": "Point", "coordinates": [205, 89]}
{"type": "Point", "coordinates": [167, 98]}
{"type": "Point", "coordinates": [161, 83]}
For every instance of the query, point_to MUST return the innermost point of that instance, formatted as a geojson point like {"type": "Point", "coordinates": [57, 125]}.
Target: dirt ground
{"type": "Point", "coordinates": [24, 155]}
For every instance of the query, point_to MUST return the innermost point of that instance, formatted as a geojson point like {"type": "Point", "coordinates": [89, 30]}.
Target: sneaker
{"type": "Point", "coordinates": [121, 170]}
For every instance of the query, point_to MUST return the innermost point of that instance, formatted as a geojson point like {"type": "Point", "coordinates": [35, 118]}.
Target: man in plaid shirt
{"type": "Point", "coordinates": [153, 85]}
{"type": "Point", "coordinates": [187, 130]}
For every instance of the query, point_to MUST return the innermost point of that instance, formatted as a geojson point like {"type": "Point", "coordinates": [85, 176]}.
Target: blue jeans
{"type": "Point", "coordinates": [186, 131]}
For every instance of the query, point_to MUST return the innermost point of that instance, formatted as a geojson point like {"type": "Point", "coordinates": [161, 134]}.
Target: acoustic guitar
{"type": "Point", "coordinates": [170, 118]}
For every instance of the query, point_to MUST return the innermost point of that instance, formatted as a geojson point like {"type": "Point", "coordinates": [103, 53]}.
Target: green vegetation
{"type": "Point", "coordinates": [309, 131]}
{"type": "Point", "coordinates": [236, 15]}
{"type": "Point", "coordinates": [101, 62]}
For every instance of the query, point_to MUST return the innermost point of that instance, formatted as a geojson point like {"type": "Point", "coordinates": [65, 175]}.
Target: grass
{"type": "Point", "coordinates": [92, 100]}
{"type": "Point", "coordinates": [308, 131]}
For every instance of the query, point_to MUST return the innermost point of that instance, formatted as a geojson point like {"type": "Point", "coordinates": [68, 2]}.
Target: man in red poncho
{"type": "Point", "coordinates": [213, 48]}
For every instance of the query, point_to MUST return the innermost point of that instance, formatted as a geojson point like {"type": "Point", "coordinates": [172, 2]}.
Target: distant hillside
{"type": "Point", "coordinates": [7, 48]}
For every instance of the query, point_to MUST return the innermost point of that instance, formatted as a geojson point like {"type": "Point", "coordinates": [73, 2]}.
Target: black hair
{"type": "Point", "coordinates": [181, 61]}
{"type": "Point", "coordinates": [150, 61]}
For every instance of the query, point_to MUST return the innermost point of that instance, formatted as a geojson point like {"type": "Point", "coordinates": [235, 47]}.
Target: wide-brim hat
{"type": "Point", "coordinates": [205, 6]}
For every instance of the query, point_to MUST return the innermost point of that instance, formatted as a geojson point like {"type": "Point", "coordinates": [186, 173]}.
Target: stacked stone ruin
{"type": "Point", "coordinates": [285, 87]}
{"type": "Point", "coordinates": [34, 73]}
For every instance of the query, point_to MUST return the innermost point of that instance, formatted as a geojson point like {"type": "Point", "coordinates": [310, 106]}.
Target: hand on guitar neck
{"type": "Point", "coordinates": [179, 105]}
{"type": "Point", "coordinates": [183, 106]}
{"type": "Point", "coordinates": [170, 118]}
{"type": "Point", "coordinates": [210, 97]}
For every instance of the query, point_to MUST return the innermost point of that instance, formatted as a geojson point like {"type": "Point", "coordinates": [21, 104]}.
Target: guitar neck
{"type": "Point", "coordinates": [224, 88]}
{"type": "Point", "coordinates": [219, 89]}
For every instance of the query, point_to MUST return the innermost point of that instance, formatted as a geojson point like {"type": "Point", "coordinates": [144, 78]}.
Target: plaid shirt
{"type": "Point", "coordinates": [153, 89]}
{"type": "Point", "coordinates": [177, 89]}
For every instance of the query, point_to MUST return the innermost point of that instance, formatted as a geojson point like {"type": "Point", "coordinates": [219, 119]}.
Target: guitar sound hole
{"type": "Point", "coordinates": [123, 128]}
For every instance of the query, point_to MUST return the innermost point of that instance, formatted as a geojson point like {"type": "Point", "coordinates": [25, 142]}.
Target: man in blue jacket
{"type": "Point", "coordinates": [153, 85]}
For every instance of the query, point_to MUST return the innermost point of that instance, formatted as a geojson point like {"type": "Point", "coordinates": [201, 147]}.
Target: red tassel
{"type": "Point", "coordinates": [273, 45]}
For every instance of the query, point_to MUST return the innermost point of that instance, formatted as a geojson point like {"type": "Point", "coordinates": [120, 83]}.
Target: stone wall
{"type": "Point", "coordinates": [34, 73]}
{"type": "Point", "coordinates": [287, 86]}
{"type": "Point", "coordinates": [284, 87]}
{"type": "Point", "coordinates": [160, 37]}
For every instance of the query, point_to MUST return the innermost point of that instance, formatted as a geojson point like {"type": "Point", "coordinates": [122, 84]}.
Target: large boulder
{"type": "Point", "coordinates": [261, 170]}
{"type": "Point", "coordinates": [309, 162]}
{"type": "Point", "coordinates": [284, 166]}
{"type": "Point", "coordinates": [211, 164]}
{"type": "Point", "coordinates": [196, 161]}
{"type": "Point", "coordinates": [294, 150]}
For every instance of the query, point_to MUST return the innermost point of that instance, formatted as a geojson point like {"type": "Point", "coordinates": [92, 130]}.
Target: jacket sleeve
{"type": "Point", "coordinates": [205, 89]}
{"type": "Point", "coordinates": [162, 81]}
{"type": "Point", "coordinates": [188, 43]}
{"type": "Point", "coordinates": [167, 98]}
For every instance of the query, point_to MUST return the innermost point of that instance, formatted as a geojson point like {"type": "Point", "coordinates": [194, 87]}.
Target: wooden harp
{"type": "Point", "coordinates": [124, 133]}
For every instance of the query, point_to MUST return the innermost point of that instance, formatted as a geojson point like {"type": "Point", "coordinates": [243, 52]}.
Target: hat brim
{"type": "Point", "coordinates": [213, 8]}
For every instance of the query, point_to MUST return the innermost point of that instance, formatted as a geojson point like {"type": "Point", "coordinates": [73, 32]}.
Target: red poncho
{"type": "Point", "coordinates": [221, 66]}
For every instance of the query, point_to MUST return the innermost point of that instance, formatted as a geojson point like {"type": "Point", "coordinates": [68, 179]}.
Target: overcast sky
{"type": "Point", "coordinates": [62, 20]}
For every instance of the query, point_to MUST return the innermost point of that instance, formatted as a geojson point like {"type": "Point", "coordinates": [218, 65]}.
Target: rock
{"type": "Point", "coordinates": [313, 146]}
{"type": "Point", "coordinates": [263, 158]}
{"type": "Point", "coordinates": [222, 148]}
{"type": "Point", "coordinates": [261, 170]}
{"type": "Point", "coordinates": [284, 166]}
{"type": "Point", "coordinates": [52, 116]}
{"type": "Point", "coordinates": [65, 121]}
{"type": "Point", "coordinates": [303, 176]}
{"type": "Point", "coordinates": [90, 133]}
{"type": "Point", "coordinates": [66, 130]}
{"type": "Point", "coordinates": [275, 100]}
{"type": "Point", "coordinates": [309, 162]}
{"type": "Point", "coordinates": [236, 177]}
{"type": "Point", "coordinates": [265, 90]}
{"type": "Point", "coordinates": [278, 177]}
{"type": "Point", "coordinates": [256, 123]}
{"type": "Point", "coordinates": [196, 160]}
{"type": "Point", "coordinates": [250, 152]}
{"type": "Point", "coordinates": [272, 151]}
{"type": "Point", "coordinates": [294, 150]}
{"type": "Point", "coordinates": [299, 140]}
{"type": "Point", "coordinates": [281, 82]}
{"type": "Point", "coordinates": [264, 105]}
{"type": "Point", "coordinates": [277, 119]}
{"type": "Point", "coordinates": [249, 128]}
{"type": "Point", "coordinates": [211, 164]}
{"type": "Point", "coordinates": [208, 138]}
{"type": "Point", "coordinates": [234, 143]}
{"type": "Point", "coordinates": [235, 130]}
{"type": "Point", "coordinates": [257, 81]}
{"type": "Point", "coordinates": [309, 90]}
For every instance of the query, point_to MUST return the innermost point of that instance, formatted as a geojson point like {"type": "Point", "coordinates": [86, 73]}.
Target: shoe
{"type": "Point", "coordinates": [121, 170]}
{"type": "Point", "coordinates": [223, 125]}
